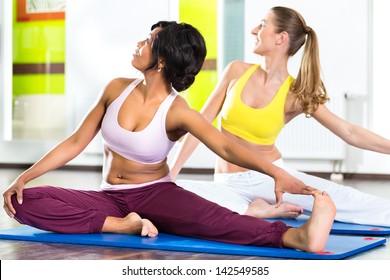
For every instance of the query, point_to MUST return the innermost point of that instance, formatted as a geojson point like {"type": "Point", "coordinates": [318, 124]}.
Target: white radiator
{"type": "Point", "coordinates": [305, 138]}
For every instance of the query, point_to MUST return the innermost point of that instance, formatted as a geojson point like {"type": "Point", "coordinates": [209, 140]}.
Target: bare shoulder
{"type": "Point", "coordinates": [237, 68]}
{"type": "Point", "coordinates": [322, 112]}
{"type": "Point", "coordinates": [179, 104]}
{"type": "Point", "coordinates": [232, 72]}
{"type": "Point", "coordinates": [180, 114]}
{"type": "Point", "coordinates": [119, 83]}
{"type": "Point", "coordinates": [115, 87]}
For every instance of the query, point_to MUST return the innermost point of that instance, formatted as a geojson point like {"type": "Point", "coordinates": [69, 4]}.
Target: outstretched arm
{"type": "Point", "coordinates": [352, 134]}
{"type": "Point", "coordinates": [191, 121]}
{"type": "Point", "coordinates": [59, 155]}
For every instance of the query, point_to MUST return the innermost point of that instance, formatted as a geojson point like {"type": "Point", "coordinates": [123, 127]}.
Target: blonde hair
{"type": "Point", "coordinates": [308, 87]}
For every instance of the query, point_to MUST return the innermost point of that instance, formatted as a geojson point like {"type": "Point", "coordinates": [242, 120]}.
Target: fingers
{"type": "Point", "coordinates": [318, 193]}
{"type": "Point", "coordinates": [8, 207]}
{"type": "Point", "coordinates": [279, 198]}
{"type": "Point", "coordinates": [19, 196]}
{"type": "Point", "coordinates": [305, 190]}
{"type": "Point", "coordinates": [309, 190]}
{"type": "Point", "coordinates": [9, 213]}
{"type": "Point", "coordinates": [294, 188]}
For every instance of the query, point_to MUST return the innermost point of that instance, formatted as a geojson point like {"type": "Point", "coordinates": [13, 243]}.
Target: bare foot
{"type": "Point", "coordinates": [148, 229]}
{"type": "Point", "coordinates": [313, 235]}
{"type": "Point", "coordinates": [259, 208]}
{"type": "Point", "coordinates": [131, 224]}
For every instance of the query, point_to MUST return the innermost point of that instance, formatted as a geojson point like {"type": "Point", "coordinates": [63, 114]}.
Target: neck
{"type": "Point", "coordinates": [275, 67]}
{"type": "Point", "coordinates": [154, 85]}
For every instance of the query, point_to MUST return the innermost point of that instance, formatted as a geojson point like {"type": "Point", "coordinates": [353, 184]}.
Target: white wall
{"type": "Point", "coordinates": [354, 55]}
{"type": "Point", "coordinates": [341, 34]}
{"type": "Point", "coordinates": [11, 151]}
{"type": "Point", "coordinates": [5, 70]}
{"type": "Point", "coordinates": [344, 52]}
{"type": "Point", "coordinates": [336, 26]}
{"type": "Point", "coordinates": [101, 36]}
{"type": "Point", "coordinates": [380, 98]}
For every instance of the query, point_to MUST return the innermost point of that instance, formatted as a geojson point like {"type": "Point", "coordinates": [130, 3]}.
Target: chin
{"type": "Point", "coordinates": [258, 51]}
{"type": "Point", "coordinates": [134, 64]}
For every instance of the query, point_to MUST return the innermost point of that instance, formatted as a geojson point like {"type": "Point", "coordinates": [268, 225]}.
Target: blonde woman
{"type": "Point", "coordinates": [255, 102]}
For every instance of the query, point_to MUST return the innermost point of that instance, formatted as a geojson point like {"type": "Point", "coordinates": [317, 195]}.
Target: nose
{"type": "Point", "coordinates": [255, 31]}
{"type": "Point", "coordinates": [140, 44]}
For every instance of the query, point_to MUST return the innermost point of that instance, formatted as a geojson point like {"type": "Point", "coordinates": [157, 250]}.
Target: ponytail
{"type": "Point", "coordinates": [308, 87]}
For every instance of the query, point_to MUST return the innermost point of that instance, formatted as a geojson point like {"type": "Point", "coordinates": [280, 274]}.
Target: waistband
{"type": "Point", "coordinates": [221, 177]}
{"type": "Point", "coordinates": [105, 186]}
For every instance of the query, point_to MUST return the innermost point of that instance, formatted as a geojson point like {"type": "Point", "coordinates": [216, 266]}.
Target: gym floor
{"type": "Point", "coordinates": [23, 250]}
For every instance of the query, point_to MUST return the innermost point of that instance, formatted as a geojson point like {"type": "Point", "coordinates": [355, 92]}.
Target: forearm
{"type": "Point", "coordinates": [57, 157]}
{"type": "Point", "coordinates": [228, 149]}
{"type": "Point", "coordinates": [365, 139]}
{"type": "Point", "coordinates": [352, 134]}
{"type": "Point", "coordinates": [250, 159]}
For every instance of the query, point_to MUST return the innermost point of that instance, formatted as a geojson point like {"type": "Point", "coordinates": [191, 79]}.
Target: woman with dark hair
{"type": "Point", "coordinates": [140, 120]}
{"type": "Point", "coordinates": [255, 103]}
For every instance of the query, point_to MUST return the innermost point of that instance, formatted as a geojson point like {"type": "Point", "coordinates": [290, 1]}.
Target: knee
{"type": "Point", "coordinates": [29, 195]}
{"type": "Point", "coordinates": [14, 201]}
{"type": "Point", "coordinates": [19, 209]}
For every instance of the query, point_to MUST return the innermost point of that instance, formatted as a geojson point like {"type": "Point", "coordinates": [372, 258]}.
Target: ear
{"type": "Point", "coordinates": [161, 63]}
{"type": "Point", "coordinates": [282, 38]}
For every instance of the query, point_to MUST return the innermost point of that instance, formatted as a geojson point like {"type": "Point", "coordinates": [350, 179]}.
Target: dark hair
{"type": "Point", "coordinates": [183, 50]}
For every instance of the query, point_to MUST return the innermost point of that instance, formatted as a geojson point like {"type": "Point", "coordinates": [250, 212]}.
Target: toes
{"type": "Point", "coordinates": [148, 229]}
{"type": "Point", "coordinates": [293, 214]}
{"type": "Point", "coordinates": [145, 231]}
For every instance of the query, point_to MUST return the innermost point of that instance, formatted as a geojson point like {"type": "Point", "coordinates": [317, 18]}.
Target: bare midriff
{"type": "Point", "coordinates": [119, 170]}
{"type": "Point", "coordinates": [268, 152]}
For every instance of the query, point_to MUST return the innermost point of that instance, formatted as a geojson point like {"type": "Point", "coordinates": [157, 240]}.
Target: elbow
{"type": "Point", "coordinates": [74, 145]}
{"type": "Point", "coordinates": [228, 154]}
{"type": "Point", "coordinates": [351, 137]}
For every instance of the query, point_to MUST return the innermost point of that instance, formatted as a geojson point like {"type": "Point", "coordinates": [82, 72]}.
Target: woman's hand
{"type": "Point", "coordinates": [15, 188]}
{"type": "Point", "coordinates": [284, 182]}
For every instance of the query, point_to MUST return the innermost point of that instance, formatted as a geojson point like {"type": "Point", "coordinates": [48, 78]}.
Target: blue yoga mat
{"type": "Point", "coordinates": [339, 227]}
{"type": "Point", "coordinates": [338, 247]}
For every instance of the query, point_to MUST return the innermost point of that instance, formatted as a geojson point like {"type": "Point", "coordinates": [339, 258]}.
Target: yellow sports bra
{"type": "Point", "coordinates": [259, 126]}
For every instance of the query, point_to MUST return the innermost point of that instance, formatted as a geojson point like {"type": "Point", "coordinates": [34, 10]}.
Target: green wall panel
{"type": "Point", "coordinates": [202, 14]}
{"type": "Point", "coordinates": [38, 42]}
{"type": "Point", "coordinates": [38, 83]}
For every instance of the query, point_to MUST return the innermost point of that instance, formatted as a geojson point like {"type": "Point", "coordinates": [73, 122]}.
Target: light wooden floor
{"type": "Point", "coordinates": [20, 250]}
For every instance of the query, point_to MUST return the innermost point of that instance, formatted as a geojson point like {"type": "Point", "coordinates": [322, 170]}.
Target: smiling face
{"type": "Point", "coordinates": [142, 56]}
{"type": "Point", "coordinates": [264, 35]}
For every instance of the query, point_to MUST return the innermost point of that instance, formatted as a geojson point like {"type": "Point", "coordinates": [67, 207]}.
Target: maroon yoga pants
{"type": "Point", "coordinates": [170, 208]}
